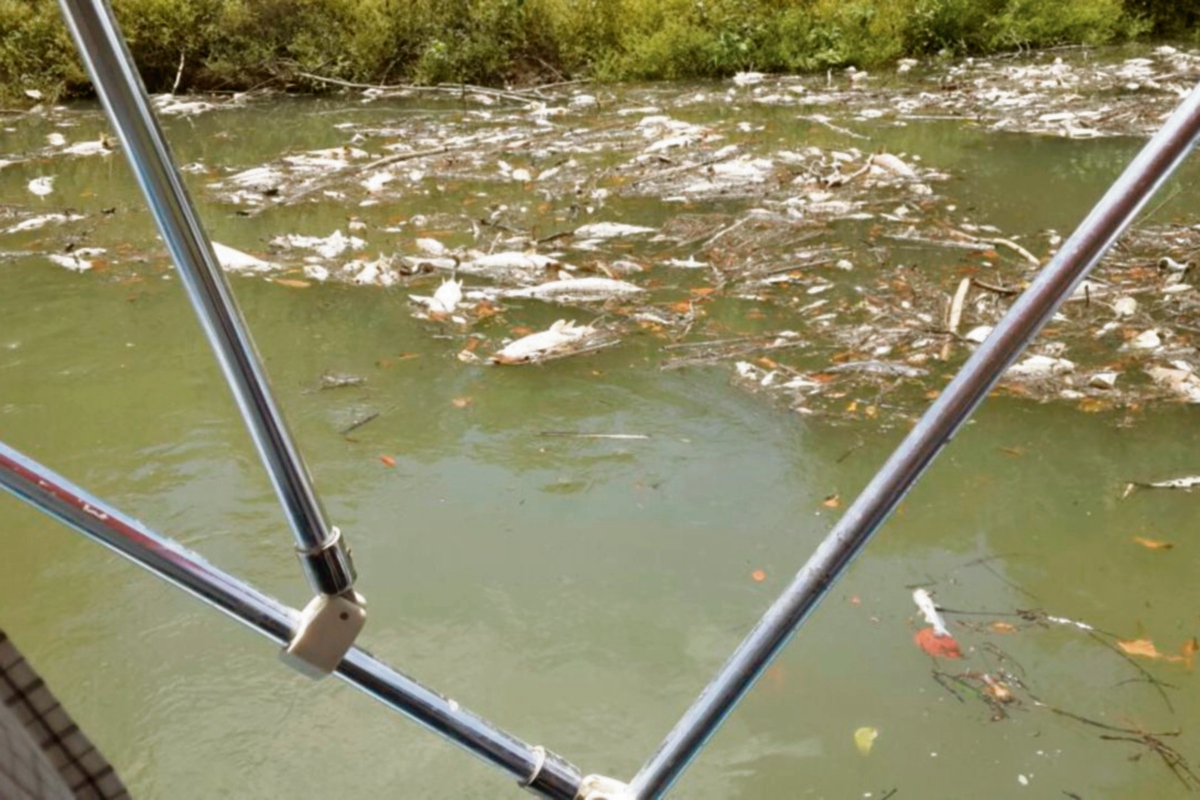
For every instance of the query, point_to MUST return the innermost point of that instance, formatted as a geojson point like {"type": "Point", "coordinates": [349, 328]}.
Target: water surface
{"type": "Point", "coordinates": [577, 592]}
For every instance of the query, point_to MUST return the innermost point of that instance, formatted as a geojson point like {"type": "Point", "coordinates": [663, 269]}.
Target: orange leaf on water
{"type": "Point", "coordinates": [937, 646]}
{"type": "Point", "coordinates": [1153, 544]}
{"type": "Point", "coordinates": [1140, 647]}
{"type": "Point", "coordinates": [758, 575]}
{"type": "Point", "coordinates": [832, 501]}
{"type": "Point", "coordinates": [388, 461]}
{"type": "Point", "coordinates": [1003, 627]}
{"type": "Point", "coordinates": [461, 402]}
{"type": "Point", "coordinates": [1189, 650]}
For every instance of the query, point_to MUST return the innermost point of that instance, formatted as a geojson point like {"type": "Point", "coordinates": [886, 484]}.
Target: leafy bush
{"type": "Point", "coordinates": [239, 43]}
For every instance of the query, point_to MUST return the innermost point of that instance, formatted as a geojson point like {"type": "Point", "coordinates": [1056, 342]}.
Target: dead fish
{"type": "Point", "coordinates": [609, 230]}
{"type": "Point", "coordinates": [887, 368]}
{"type": "Point", "coordinates": [893, 164]}
{"type": "Point", "coordinates": [340, 380]}
{"type": "Point", "coordinates": [578, 289]}
{"type": "Point", "coordinates": [929, 610]}
{"type": "Point", "coordinates": [560, 336]}
{"type": "Point", "coordinates": [1168, 264]}
{"type": "Point", "coordinates": [1190, 482]}
{"type": "Point", "coordinates": [237, 261]}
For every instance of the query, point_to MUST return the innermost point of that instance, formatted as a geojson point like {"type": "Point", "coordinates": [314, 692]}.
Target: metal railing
{"type": "Point", "coordinates": [326, 560]}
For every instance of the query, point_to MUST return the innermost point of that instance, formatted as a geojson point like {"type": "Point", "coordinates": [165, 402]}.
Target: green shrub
{"type": "Point", "coordinates": [240, 43]}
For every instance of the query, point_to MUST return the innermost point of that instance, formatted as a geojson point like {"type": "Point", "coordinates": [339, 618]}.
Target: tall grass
{"type": "Point", "coordinates": [241, 43]}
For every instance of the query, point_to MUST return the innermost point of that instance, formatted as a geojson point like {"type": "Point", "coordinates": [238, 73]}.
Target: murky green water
{"type": "Point", "coordinates": [578, 592]}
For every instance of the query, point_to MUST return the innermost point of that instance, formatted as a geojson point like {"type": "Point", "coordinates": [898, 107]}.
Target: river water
{"type": "Point", "coordinates": [578, 592]}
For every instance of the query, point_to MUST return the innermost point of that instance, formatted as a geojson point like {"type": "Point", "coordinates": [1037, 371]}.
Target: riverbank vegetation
{"type": "Point", "coordinates": [238, 44]}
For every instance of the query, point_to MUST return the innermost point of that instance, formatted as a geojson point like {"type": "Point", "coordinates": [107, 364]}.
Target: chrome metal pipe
{"type": "Point", "coordinates": [325, 559]}
{"type": "Point", "coordinates": [551, 775]}
{"type": "Point", "coordinates": [1107, 221]}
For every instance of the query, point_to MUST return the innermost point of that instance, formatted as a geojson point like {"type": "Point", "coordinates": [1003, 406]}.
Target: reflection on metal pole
{"type": "Point", "coordinates": [543, 773]}
{"type": "Point", "coordinates": [1031, 312]}
{"type": "Point", "coordinates": [326, 560]}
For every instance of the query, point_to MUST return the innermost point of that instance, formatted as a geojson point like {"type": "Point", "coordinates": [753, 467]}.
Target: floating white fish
{"type": "Point", "coordinates": [748, 78]}
{"type": "Point", "coordinates": [893, 164]}
{"type": "Point", "coordinates": [609, 230]}
{"type": "Point", "coordinates": [1147, 340]}
{"type": "Point", "coordinates": [447, 297]}
{"type": "Point", "coordinates": [42, 186]}
{"type": "Point", "coordinates": [375, 182]}
{"type": "Point", "coordinates": [1190, 482]}
{"type": "Point", "coordinates": [33, 223]}
{"type": "Point", "coordinates": [237, 261]}
{"type": "Point", "coordinates": [929, 610]}
{"type": "Point", "coordinates": [578, 289]}
{"type": "Point", "coordinates": [99, 147]}
{"type": "Point", "coordinates": [558, 338]}
{"type": "Point", "coordinates": [332, 245]}
{"type": "Point", "coordinates": [70, 261]}
{"type": "Point", "coordinates": [1041, 366]}
{"type": "Point", "coordinates": [431, 247]}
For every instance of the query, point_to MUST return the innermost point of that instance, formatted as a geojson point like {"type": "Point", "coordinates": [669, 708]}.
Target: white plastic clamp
{"type": "Point", "coordinates": [598, 787]}
{"type": "Point", "coordinates": [327, 630]}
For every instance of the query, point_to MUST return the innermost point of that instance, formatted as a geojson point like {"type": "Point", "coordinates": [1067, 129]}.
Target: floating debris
{"type": "Point", "coordinates": [562, 338]}
{"type": "Point", "coordinates": [42, 186]}
{"type": "Point", "coordinates": [578, 290]}
{"type": "Point", "coordinates": [237, 261]}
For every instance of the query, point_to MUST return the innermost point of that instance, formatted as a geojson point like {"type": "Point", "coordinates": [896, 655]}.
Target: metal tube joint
{"type": "Point", "coordinates": [329, 567]}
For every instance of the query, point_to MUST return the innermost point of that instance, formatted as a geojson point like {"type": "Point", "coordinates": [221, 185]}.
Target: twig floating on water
{"type": "Point", "coordinates": [358, 423]}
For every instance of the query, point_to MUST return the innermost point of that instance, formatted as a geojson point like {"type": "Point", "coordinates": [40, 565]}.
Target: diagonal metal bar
{"type": "Point", "coordinates": [541, 772]}
{"type": "Point", "coordinates": [325, 559]}
{"type": "Point", "coordinates": [1111, 216]}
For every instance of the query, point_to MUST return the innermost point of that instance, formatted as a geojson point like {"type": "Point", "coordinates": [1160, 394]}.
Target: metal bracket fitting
{"type": "Point", "coordinates": [327, 630]}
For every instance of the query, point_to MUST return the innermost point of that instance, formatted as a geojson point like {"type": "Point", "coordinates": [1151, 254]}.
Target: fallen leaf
{"type": "Point", "coordinates": [998, 690]}
{"type": "Point", "coordinates": [295, 283]}
{"type": "Point", "coordinates": [1189, 650]}
{"type": "Point", "coordinates": [937, 646]}
{"type": "Point", "coordinates": [1153, 544]}
{"type": "Point", "coordinates": [832, 501]}
{"type": "Point", "coordinates": [1140, 647]}
{"type": "Point", "coordinates": [703, 291]}
{"type": "Point", "coordinates": [758, 575]}
{"type": "Point", "coordinates": [1003, 627]}
{"type": "Point", "coordinates": [1093, 405]}
{"type": "Point", "coordinates": [682, 307]}
{"type": "Point", "coordinates": [388, 461]}
{"type": "Point", "coordinates": [521, 330]}
{"type": "Point", "coordinates": [485, 309]}
{"type": "Point", "coordinates": [461, 402]}
{"type": "Point", "coordinates": [864, 739]}
{"type": "Point", "coordinates": [855, 600]}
